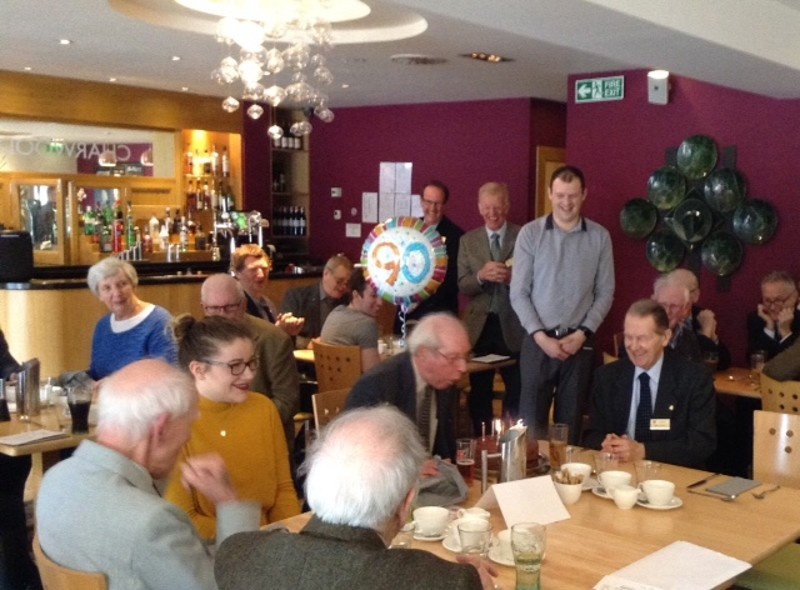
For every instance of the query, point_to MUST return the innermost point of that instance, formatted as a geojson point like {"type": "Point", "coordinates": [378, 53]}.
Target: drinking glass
{"type": "Point", "coordinates": [79, 400]}
{"type": "Point", "coordinates": [606, 462]}
{"type": "Point", "coordinates": [646, 470]}
{"type": "Point", "coordinates": [465, 458]}
{"type": "Point", "coordinates": [528, 541]}
{"type": "Point", "coordinates": [475, 536]}
{"type": "Point", "coordinates": [557, 436]}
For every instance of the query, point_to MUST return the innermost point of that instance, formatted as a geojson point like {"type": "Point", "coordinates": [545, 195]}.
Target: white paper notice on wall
{"type": "Point", "coordinates": [386, 178]}
{"type": "Point", "coordinates": [385, 206]}
{"type": "Point", "coordinates": [352, 230]}
{"type": "Point", "coordinates": [402, 205]}
{"type": "Point", "coordinates": [416, 206]}
{"type": "Point", "coordinates": [369, 207]}
{"type": "Point", "coordinates": [402, 177]}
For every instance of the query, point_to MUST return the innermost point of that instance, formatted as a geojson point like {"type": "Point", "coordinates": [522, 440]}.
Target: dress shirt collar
{"type": "Point", "coordinates": [550, 224]}
{"type": "Point", "coordinates": [500, 232]}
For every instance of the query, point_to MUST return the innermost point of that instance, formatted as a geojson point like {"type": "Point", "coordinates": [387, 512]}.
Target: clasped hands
{"type": "Point", "coordinates": [495, 272]}
{"type": "Point", "coordinates": [623, 448]}
{"type": "Point", "coordinates": [783, 323]}
{"type": "Point", "coordinates": [560, 348]}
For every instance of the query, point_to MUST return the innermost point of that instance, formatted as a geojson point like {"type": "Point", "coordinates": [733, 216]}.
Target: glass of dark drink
{"type": "Point", "coordinates": [465, 458]}
{"type": "Point", "coordinates": [79, 400]}
{"type": "Point", "coordinates": [557, 437]}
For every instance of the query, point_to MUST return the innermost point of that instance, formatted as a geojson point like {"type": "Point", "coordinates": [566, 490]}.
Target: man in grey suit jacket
{"type": "Point", "coordinates": [315, 302]}
{"type": "Point", "coordinates": [422, 378]}
{"type": "Point", "coordinates": [361, 484]}
{"type": "Point", "coordinates": [100, 510]}
{"type": "Point", "coordinates": [484, 273]}
{"type": "Point", "coordinates": [657, 405]}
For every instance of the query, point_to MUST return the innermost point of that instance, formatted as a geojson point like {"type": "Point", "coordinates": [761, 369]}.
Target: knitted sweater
{"type": "Point", "coordinates": [249, 437]}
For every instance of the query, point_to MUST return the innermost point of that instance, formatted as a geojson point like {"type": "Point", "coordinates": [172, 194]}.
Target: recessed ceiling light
{"type": "Point", "coordinates": [176, 58]}
{"type": "Point", "coordinates": [345, 86]}
{"type": "Point", "coordinates": [491, 58]}
{"type": "Point", "coordinates": [112, 79]}
{"type": "Point", "coordinates": [417, 59]}
{"type": "Point", "coordinates": [185, 88]}
{"type": "Point", "coordinates": [27, 68]}
{"type": "Point", "coordinates": [64, 42]}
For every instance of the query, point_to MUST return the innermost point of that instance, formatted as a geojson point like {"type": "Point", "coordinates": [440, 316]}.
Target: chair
{"type": "Point", "coordinates": [619, 342]}
{"type": "Point", "coordinates": [776, 460]}
{"type": "Point", "coordinates": [780, 396]}
{"type": "Point", "coordinates": [327, 405]}
{"type": "Point", "coordinates": [609, 358]}
{"type": "Point", "coordinates": [337, 366]}
{"type": "Point", "coordinates": [56, 577]}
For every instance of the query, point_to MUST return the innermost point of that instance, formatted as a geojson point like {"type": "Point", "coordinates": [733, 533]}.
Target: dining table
{"type": "Point", "coordinates": [738, 381]}
{"type": "Point", "coordinates": [598, 538]}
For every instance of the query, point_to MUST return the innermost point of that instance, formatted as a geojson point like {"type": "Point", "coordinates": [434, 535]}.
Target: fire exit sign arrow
{"type": "Point", "coordinates": [600, 89]}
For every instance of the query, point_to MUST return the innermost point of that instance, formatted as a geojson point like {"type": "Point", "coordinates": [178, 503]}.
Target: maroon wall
{"type": "Point", "coordinates": [462, 144]}
{"type": "Point", "coordinates": [619, 144]}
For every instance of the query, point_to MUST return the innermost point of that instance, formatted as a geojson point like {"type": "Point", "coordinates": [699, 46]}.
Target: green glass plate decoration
{"type": "Point", "coordinates": [666, 188]}
{"type": "Point", "coordinates": [638, 218]}
{"type": "Point", "coordinates": [755, 222]}
{"type": "Point", "coordinates": [692, 220]}
{"type": "Point", "coordinates": [697, 156]}
{"type": "Point", "coordinates": [664, 251]}
{"type": "Point", "coordinates": [724, 190]}
{"type": "Point", "coordinates": [722, 253]}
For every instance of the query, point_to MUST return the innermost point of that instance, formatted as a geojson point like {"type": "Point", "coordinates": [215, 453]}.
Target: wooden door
{"type": "Point", "coordinates": [548, 159]}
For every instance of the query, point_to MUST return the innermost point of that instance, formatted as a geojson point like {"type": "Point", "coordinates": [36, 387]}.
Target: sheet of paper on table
{"type": "Point", "coordinates": [26, 438]}
{"type": "Point", "coordinates": [514, 500]}
{"type": "Point", "coordinates": [490, 358]}
{"type": "Point", "coordinates": [700, 569]}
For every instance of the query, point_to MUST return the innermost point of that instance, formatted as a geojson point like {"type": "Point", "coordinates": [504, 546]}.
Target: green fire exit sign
{"type": "Point", "coordinates": [600, 89]}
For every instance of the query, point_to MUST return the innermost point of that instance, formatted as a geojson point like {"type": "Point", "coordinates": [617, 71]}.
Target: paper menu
{"type": "Point", "coordinates": [700, 569]}
{"type": "Point", "coordinates": [526, 500]}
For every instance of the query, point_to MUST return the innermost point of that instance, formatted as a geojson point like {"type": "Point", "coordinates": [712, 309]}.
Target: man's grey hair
{"type": "Point", "coordinates": [362, 466]}
{"type": "Point", "coordinates": [670, 280]}
{"type": "Point", "coordinates": [218, 281]}
{"type": "Point", "coordinates": [109, 267]}
{"type": "Point", "coordinates": [131, 399]}
{"type": "Point", "coordinates": [428, 332]}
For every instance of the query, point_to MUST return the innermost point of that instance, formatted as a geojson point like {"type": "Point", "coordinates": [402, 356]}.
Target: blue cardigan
{"type": "Point", "coordinates": [151, 338]}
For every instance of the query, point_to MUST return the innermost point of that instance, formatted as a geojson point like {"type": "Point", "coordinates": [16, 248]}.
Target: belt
{"type": "Point", "coordinates": [560, 332]}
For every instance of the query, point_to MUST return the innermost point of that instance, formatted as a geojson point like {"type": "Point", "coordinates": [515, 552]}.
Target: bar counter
{"type": "Point", "coordinates": [53, 316]}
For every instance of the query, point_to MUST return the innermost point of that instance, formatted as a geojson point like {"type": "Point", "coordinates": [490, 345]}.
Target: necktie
{"type": "Point", "coordinates": [644, 412]}
{"type": "Point", "coordinates": [424, 420]}
{"type": "Point", "coordinates": [494, 249]}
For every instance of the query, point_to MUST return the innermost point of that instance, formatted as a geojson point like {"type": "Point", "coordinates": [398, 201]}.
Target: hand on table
{"type": "Point", "coordinates": [208, 475]}
{"type": "Point", "coordinates": [625, 449]}
{"type": "Point", "coordinates": [486, 570]}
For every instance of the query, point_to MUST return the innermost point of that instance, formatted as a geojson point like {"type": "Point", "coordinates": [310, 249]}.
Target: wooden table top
{"type": "Point", "coordinates": [48, 420]}
{"type": "Point", "coordinates": [738, 381]}
{"type": "Point", "coordinates": [599, 538]}
{"type": "Point", "coordinates": [306, 355]}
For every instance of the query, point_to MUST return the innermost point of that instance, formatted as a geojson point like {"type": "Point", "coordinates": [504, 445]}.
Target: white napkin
{"type": "Point", "coordinates": [526, 500]}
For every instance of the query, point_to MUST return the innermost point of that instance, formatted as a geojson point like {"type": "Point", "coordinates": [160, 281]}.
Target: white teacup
{"type": "Point", "coordinates": [613, 479]}
{"type": "Point", "coordinates": [659, 492]}
{"type": "Point", "coordinates": [569, 493]}
{"type": "Point", "coordinates": [583, 469]}
{"type": "Point", "coordinates": [430, 521]}
{"type": "Point", "coordinates": [473, 512]}
{"type": "Point", "coordinates": [504, 545]}
{"type": "Point", "coordinates": [625, 496]}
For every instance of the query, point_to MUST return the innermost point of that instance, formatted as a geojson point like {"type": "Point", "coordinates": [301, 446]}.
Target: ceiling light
{"type": "Point", "coordinates": [658, 87]}
{"type": "Point", "coordinates": [112, 79]}
{"type": "Point", "coordinates": [491, 58]}
{"type": "Point", "coordinates": [184, 89]}
{"type": "Point", "coordinates": [176, 58]}
{"type": "Point", "coordinates": [27, 68]}
{"type": "Point", "coordinates": [417, 59]}
{"type": "Point", "coordinates": [64, 42]}
{"type": "Point", "coordinates": [284, 42]}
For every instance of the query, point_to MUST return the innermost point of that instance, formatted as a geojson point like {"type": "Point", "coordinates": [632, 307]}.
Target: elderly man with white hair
{"type": "Point", "coordinates": [101, 511]}
{"type": "Point", "coordinates": [421, 381]}
{"type": "Point", "coordinates": [361, 484]}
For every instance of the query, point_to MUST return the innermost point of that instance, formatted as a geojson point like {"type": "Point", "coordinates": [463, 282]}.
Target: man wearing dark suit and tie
{"type": "Point", "coordinates": [655, 404]}
{"type": "Point", "coordinates": [421, 381]}
{"type": "Point", "coordinates": [484, 273]}
{"type": "Point", "coordinates": [775, 324]}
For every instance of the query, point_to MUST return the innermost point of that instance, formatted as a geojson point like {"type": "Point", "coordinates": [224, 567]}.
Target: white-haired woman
{"type": "Point", "coordinates": [134, 329]}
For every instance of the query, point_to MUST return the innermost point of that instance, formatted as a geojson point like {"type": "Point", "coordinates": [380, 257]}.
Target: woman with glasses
{"type": "Point", "coordinates": [242, 426]}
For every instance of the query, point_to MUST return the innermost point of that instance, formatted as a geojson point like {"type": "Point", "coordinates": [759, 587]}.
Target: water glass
{"type": "Point", "coordinates": [475, 536]}
{"type": "Point", "coordinates": [528, 541]}
{"type": "Point", "coordinates": [606, 462]}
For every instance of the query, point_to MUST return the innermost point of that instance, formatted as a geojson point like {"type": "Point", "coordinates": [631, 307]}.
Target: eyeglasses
{"type": "Point", "coordinates": [227, 308]}
{"type": "Point", "coordinates": [434, 204]}
{"type": "Point", "coordinates": [453, 358]}
{"type": "Point", "coordinates": [778, 301]}
{"type": "Point", "coordinates": [236, 367]}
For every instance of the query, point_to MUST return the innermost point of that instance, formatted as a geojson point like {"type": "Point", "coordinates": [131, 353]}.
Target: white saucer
{"type": "Point", "coordinates": [495, 556]}
{"type": "Point", "coordinates": [601, 492]}
{"type": "Point", "coordinates": [676, 502]}
{"type": "Point", "coordinates": [589, 484]}
{"type": "Point", "coordinates": [418, 537]}
{"type": "Point", "coordinates": [450, 544]}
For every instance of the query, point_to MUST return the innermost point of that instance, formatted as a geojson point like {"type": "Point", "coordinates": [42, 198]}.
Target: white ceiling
{"type": "Point", "coordinates": [752, 45]}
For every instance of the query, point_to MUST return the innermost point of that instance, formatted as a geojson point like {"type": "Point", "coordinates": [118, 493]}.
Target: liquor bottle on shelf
{"type": "Point", "coordinates": [303, 221]}
{"type": "Point", "coordinates": [106, 240]}
{"type": "Point", "coordinates": [183, 236]}
{"type": "Point", "coordinates": [207, 164]}
{"type": "Point", "coordinates": [119, 243]}
{"type": "Point", "coordinates": [147, 240]}
{"type": "Point", "coordinates": [191, 197]}
{"type": "Point", "coordinates": [188, 160]}
{"type": "Point", "coordinates": [197, 168]}
{"type": "Point", "coordinates": [214, 160]}
{"type": "Point", "coordinates": [200, 240]}
{"type": "Point", "coordinates": [89, 220]}
{"type": "Point", "coordinates": [226, 163]}
{"type": "Point", "coordinates": [167, 221]}
{"type": "Point", "coordinates": [154, 226]}
{"type": "Point", "coordinates": [130, 226]}
{"type": "Point", "coordinates": [163, 237]}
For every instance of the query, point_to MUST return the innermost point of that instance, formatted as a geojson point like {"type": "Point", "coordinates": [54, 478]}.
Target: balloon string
{"type": "Point", "coordinates": [403, 326]}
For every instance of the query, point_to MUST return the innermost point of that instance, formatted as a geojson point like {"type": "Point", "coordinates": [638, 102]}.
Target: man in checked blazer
{"type": "Point", "coordinates": [484, 273]}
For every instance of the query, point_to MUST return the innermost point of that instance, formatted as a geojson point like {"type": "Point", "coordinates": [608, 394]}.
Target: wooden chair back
{"type": "Point", "coordinates": [327, 405]}
{"type": "Point", "coordinates": [618, 340]}
{"type": "Point", "coordinates": [776, 448]}
{"type": "Point", "coordinates": [56, 577]}
{"type": "Point", "coordinates": [338, 367]}
{"type": "Point", "coordinates": [780, 396]}
{"type": "Point", "coordinates": [609, 358]}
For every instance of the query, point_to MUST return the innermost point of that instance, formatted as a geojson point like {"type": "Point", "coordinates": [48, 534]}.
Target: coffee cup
{"type": "Point", "coordinates": [613, 479]}
{"type": "Point", "coordinates": [583, 469]}
{"type": "Point", "coordinates": [504, 545]}
{"type": "Point", "coordinates": [658, 492]}
{"type": "Point", "coordinates": [430, 521]}
{"type": "Point", "coordinates": [625, 496]}
{"type": "Point", "coordinates": [474, 512]}
{"type": "Point", "coordinates": [569, 493]}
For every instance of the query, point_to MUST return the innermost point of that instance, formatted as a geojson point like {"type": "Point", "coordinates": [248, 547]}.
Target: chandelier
{"type": "Point", "coordinates": [277, 50]}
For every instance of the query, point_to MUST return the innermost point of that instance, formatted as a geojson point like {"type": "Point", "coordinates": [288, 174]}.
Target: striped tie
{"type": "Point", "coordinates": [424, 419]}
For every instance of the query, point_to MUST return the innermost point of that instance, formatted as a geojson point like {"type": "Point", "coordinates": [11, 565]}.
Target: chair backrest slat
{"type": "Point", "coordinates": [56, 577]}
{"type": "Point", "coordinates": [776, 448]}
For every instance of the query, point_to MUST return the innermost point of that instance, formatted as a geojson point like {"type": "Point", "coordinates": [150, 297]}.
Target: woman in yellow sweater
{"type": "Point", "coordinates": [242, 426]}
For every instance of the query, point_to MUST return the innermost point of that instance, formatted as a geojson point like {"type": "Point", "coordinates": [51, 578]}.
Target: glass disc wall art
{"type": "Point", "coordinates": [722, 253]}
{"type": "Point", "coordinates": [664, 251]}
{"type": "Point", "coordinates": [724, 190]}
{"type": "Point", "coordinates": [666, 188]}
{"type": "Point", "coordinates": [692, 220]}
{"type": "Point", "coordinates": [697, 156]}
{"type": "Point", "coordinates": [755, 222]}
{"type": "Point", "coordinates": [638, 218]}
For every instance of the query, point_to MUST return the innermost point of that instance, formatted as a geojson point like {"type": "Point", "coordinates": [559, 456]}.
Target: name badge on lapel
{"type": "Point", "coordinates": [659, 424]}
